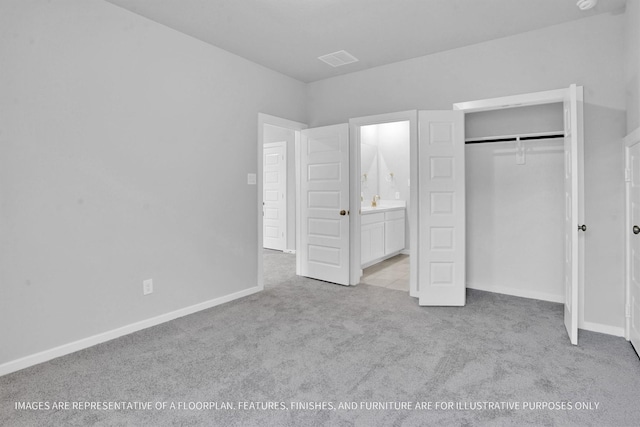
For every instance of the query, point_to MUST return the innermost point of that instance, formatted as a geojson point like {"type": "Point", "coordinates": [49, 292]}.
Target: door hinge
{"type": "Point", "coordinates": [627, 175]}
{"type": "Point", "coordinates": [627, 310]}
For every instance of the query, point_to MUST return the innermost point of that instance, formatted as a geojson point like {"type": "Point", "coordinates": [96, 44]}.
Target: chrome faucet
{"type": "Point", "coordinates": [374, 202]}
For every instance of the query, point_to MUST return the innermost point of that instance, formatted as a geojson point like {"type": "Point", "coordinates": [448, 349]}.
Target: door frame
{"type": "Point", "coordinates": [354, 188]}
{"type": "Point", "coordinates": [629, 141]}
{"type": "Point", "coordinates": [530, 99]}
{"type": "Point", "coordinates": [266, 119]}
{"type": "Point", "coordinates": [285, 159]}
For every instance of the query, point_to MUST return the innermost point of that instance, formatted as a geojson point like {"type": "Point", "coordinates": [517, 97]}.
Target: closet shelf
{"type": "Point", "coordinates": [514, 138]}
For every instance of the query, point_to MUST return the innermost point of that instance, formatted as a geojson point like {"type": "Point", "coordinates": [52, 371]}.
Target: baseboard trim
{"type": "Point", "coordinates": [518, 292]}
{"type": "Point", "coordinates": [406, 252]}
{"type": "Point", "coordinates": [603, 329]}
{"type": "Point", "coordinates": [63, 350]}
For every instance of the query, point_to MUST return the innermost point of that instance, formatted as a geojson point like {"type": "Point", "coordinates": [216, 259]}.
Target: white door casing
{"type": "Point", "coordinates": [324, 203]}
{"type": "Point", "coordinates": [632, 311]}
{"type": "Point", "coordinates": [441, 273]}
{"type": "Point", "coordinates": [574, 208]}
{"type": "Point", "coordinates": [274, 196]}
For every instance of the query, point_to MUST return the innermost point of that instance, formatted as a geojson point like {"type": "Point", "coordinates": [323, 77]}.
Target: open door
{"type": "Point", "coordinates": [441, 275]}
{"type": "Point", "coordinates": [574, 208]}
{"type": "Point", "coordinates": [274, 198]}
{"type": "Point", "coordinates": [324, 204]}
{"type": "Point", "coordinates": [633, 244]}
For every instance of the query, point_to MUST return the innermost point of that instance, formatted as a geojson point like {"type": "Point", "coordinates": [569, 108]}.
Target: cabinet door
{"type": "Point", "coordinates": [394, 235]}
{"type": "Point", "coordinates": [377, 240]}
{"type": "Point", "coordinates": [372, 241]}
{"type": "Point", "coordinates": [365, 245]}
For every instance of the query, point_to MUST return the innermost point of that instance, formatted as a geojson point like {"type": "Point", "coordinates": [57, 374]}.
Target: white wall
{"type": "Point", "coordinates": [588, 52]}
{"type": "Point", "coordinates": [369, 184]}
{"type": "Point", "coordinates": [515, 219]}
{"type": "Point", "coordinates": [393, 149]}
{"type": "Point", "coordinates": [116, 135]}
{"type": "Point", "coordinates": [278, 134]}
{"type": "Point", "coordinates": [632, 66]}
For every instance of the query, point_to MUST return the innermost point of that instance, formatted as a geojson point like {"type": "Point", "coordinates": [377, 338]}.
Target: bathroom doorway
{"type": "Point", "coordinates": [383, 234]}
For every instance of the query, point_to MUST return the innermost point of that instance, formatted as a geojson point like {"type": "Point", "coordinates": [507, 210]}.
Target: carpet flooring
{"type": "Point", "coordinates": [309, 353]}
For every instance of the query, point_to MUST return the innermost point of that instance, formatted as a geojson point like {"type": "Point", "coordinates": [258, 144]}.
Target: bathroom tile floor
{"type": "Point", "coordinates": [392, 273]}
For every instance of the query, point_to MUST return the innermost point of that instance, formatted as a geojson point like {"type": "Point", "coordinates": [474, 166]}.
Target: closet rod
{"type": "Point", "coordinates": [512, 138]}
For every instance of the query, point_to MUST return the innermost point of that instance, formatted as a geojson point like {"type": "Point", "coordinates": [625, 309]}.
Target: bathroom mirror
{"type": "Point", "coordinates": [384, 156]}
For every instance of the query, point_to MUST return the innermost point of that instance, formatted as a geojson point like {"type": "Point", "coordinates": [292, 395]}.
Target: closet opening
{"type": "Point", "coordinates": [515, 201]}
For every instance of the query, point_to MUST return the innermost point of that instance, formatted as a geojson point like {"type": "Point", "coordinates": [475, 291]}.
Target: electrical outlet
{"type": "Point", "coordinates": [147, 286]}
{"type": "Point", "coordinates": [397, 195]}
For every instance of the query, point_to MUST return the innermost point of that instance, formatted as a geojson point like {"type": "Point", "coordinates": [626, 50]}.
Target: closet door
{"type": "Point", "coordinates": [441, 273]}
{"type": "Point", "coordinates": [574, 209]}
{"type": "Point", "coordinates": [633, 242]}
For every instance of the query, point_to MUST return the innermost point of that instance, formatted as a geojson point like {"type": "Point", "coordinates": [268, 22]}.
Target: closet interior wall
{"type": "Point", "coordinates": [515, 212]}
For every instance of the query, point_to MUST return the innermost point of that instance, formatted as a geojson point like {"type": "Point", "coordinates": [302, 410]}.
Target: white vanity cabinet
{"type": "Point", "coordinates": [372, 237]}
{"type": "Point", "coordinates": [393, 231]}
{"type": "Point", "coordinates": [382, 234]}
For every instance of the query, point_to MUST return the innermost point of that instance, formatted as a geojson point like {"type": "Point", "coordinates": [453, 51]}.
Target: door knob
{"type": "Point", "coordinates": [582, 227]}
{"type": "Point", "coordinates": [636, 229]}
{"type": "Point", "coordinates": [343, 212]}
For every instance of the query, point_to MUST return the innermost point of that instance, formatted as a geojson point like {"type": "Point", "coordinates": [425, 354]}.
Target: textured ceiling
{"type": "Point", "coordinates": [289, 35]}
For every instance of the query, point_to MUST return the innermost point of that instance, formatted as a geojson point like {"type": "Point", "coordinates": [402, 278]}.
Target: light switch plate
{"type": "Point", "coordinates": [251, 178]}
{"type": "Point", "coordinates": [147, 286]}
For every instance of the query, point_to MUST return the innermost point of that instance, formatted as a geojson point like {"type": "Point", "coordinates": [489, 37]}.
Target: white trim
{"type": "Point", "coordinates": [355, 228]}
{"type": "Point", "coordinates": [633, 138]}
{"type": "Point", "coordinates": [578, 118]}
{"type": "Point", "coordinates": [603, 329]}
{"type": "Point", "coordinates": [526, 99]}
{"type": "Point", "coordinates": [283, 123]}
{"type": "Point", "coordinates": [405, 252]}
{"type": "Point", "coordinates": [44, 356]}
{"type": "Point", "coordinates": [297, 203]}
{"type": "Point", "coordinates": [627, 238]}
{"type": "Point", "coordinates": [354, 134]}
{"type": "Point", "coordinates": [629, 141]}
{"type": "Point", "coordinates": [544, 296]}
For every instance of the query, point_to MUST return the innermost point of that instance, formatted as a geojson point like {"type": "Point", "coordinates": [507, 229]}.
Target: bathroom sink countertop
{"type": "Point", "coordinates": [383, 208]}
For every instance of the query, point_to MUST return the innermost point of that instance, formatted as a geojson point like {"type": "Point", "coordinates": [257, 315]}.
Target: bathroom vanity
{"type": "Point", "coordinates": [382, 235]}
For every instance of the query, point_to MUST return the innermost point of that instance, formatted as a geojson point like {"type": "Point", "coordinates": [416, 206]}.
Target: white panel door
{"type": "Point", "coordinates": [574, 209]}
{"type": "Point", "coordinates": [274, 198]}
{"type": "Point", "coordinates": [441, 274]}
{"type": "Point", "coordinates": [634, 288]}
{"type": "Point", "coordinates": [324, 203]}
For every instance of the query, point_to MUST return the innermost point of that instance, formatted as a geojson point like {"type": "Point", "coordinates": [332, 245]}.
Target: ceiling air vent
{"type": "Point", "coordinates": [338, 59]}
